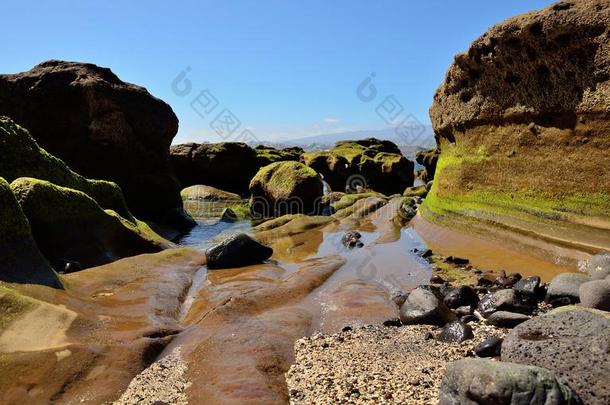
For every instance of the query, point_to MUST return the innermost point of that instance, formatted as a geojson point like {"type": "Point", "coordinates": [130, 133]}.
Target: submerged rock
{"type": "Point", "coordinates": [351, 239]}
{"type": "Point", "coordinates": [573, 343]}
{"type": "Point", "coordinates": [423, 307]}
{"type": "Point", "coordinates": [237, 251]}
{"type": "Point", "coordinates": [20, 258]}
{"type": "Point", "coordinates": [488, 382]}
{"type": "Point", "coordinates": [103, 128]}
{"type": "Point", "coordinates": [286, 188]}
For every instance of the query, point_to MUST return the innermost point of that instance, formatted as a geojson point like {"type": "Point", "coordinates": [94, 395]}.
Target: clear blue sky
{"type": "Point", "coordinates": [285, 68]}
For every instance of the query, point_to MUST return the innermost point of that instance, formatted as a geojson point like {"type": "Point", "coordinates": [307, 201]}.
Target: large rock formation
{"type": "Point", "coordinates": [69, 226]}
{"type": "Point", "coordinates": [20, 259]}
{"type": "Point", "coordinates": [523, 121]}
{"type": "Point", "coordinates": [286, 188]}
{"type": "Point", "coordinates": [20, 156]}
{"type": "Point", "coordinates": [369, 163]}
{"type": "Point", "coordinates": [227, 165]}
{"type": "Point", "coordinates": [103, 128]}
{"type": "Point", "coordinates": [265, 155]}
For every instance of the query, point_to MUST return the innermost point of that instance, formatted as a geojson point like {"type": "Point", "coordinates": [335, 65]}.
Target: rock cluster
{"type": "Point", "coordinates": [369, 163]}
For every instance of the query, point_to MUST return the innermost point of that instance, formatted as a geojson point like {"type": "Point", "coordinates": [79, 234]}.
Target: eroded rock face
{"type": "Point", "coordinates": [103, 128]}
{"type": "Point", "coordinates": [369, 163]}
{"type": "Point", "coordinates": [286, 188]}
{"type": "Point", "coordinates": [20, 258]}
{"type": "Point", "coordinates": [228, 165]}
{"type": "Point", "coordinates": [531, 96]}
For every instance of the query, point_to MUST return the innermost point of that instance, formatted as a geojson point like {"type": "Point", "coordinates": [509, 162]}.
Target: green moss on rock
{"type": "Point", "coordinates": [20, 259]}
{"type": "Point", "coordinates": [286, 188]}
{"type": "Point", "coordinates": [20, 156]}
{"type": "Point", "coordinates": [69, 225]}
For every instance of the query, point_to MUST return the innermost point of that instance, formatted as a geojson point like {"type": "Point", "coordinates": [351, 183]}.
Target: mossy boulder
{"type": "Point", "coordinates": [522, 122]}
{"type": "Point", "coordinates": [68, 225]}
{"type": "Point", "coordinates": [369, 163]}
{"type": "Point", "coordinates": [20, 156]}
{"type": "Point", "coordinates": [207, 193]}
{"type": "Point", "coordinates": [228, 165]}
{"type": "Point", "coordinates": [265, 155]}
{"type": "Point", "coordinates": [103, 128]}
{"type": "Point", "coordinates": [286, 188]}
{"type": "Point", "coordinates": [20, 259]}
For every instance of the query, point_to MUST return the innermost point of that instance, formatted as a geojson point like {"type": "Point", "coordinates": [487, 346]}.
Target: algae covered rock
{"type": "Point", "coordinates": [227, 165]}
{"type": "Point", "coordinates": [265, 155]}
{"type": "Point", "coordinates": [522, 121]}
{"type": "Point", "coordinates": [68, 225]}
{"type": "Point", "coordinates": [286, 188]}
{"type": "Point", "coordinates": [368, 163]}
{"type": "Point", "coordinates": [428, 159]}
{"type": "Point", "coordinates": [103, 128]}
{"type": "Point", "coordinates": [207, 193]}
{"type": "Point", "coordinates": [20, 259]}
{"type": "Point", "coordinates": [20, 156]}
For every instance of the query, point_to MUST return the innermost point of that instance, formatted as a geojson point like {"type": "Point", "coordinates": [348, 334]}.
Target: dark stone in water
{"type": "Point", "coordinates": [237, 251]}
{"type": "Point", "coordinates": [352, 239]}
{"type": "Point", "coordinates": [489, 347]}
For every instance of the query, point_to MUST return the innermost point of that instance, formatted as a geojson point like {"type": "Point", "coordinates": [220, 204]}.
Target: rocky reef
{"type": "Point", "coordinates": [368, 163]}
{"type": "Point", "coordinates": [103, 128]}
{"type": "Point", "coordinates": [522, 123]}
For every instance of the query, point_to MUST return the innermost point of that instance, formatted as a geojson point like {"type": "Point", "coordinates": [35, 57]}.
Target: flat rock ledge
{"type": "Point", "coordinates": [376, 365]}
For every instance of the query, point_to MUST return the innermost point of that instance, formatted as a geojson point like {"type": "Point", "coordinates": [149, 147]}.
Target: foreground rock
{"type": "Point", "coordinates": [531, 96]}
{"type": "Point", "coordinates": [368, 163]}
{"type": "Point", "coordinates": [286, 188]}
{"type": "Point", "coordinates": [20, 258]}
{"type": "Point", "coordinates": [423, 307]}
{"type": "Point", "coordinates": [564, 288]}
{"type": "Point", "coordinates": [69, 226]}
{"type": "Point", "coordinates": [571, 342]}
{"type": "Point", "coordinates": [103, 128]}
{"type": "Point", "coordinates": [227, 165]}
{"type": "Point", "coordinates": [477, 381]}
{"type": "Point", "coordinates": [237, 251]}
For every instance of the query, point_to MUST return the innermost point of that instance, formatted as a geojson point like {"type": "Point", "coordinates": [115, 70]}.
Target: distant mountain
{"type": "Point", "coordinates": [410, 140]}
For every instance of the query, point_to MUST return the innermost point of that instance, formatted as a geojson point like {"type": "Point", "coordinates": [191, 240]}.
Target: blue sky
{"type": "Point", "coordinates": [285, 69]}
